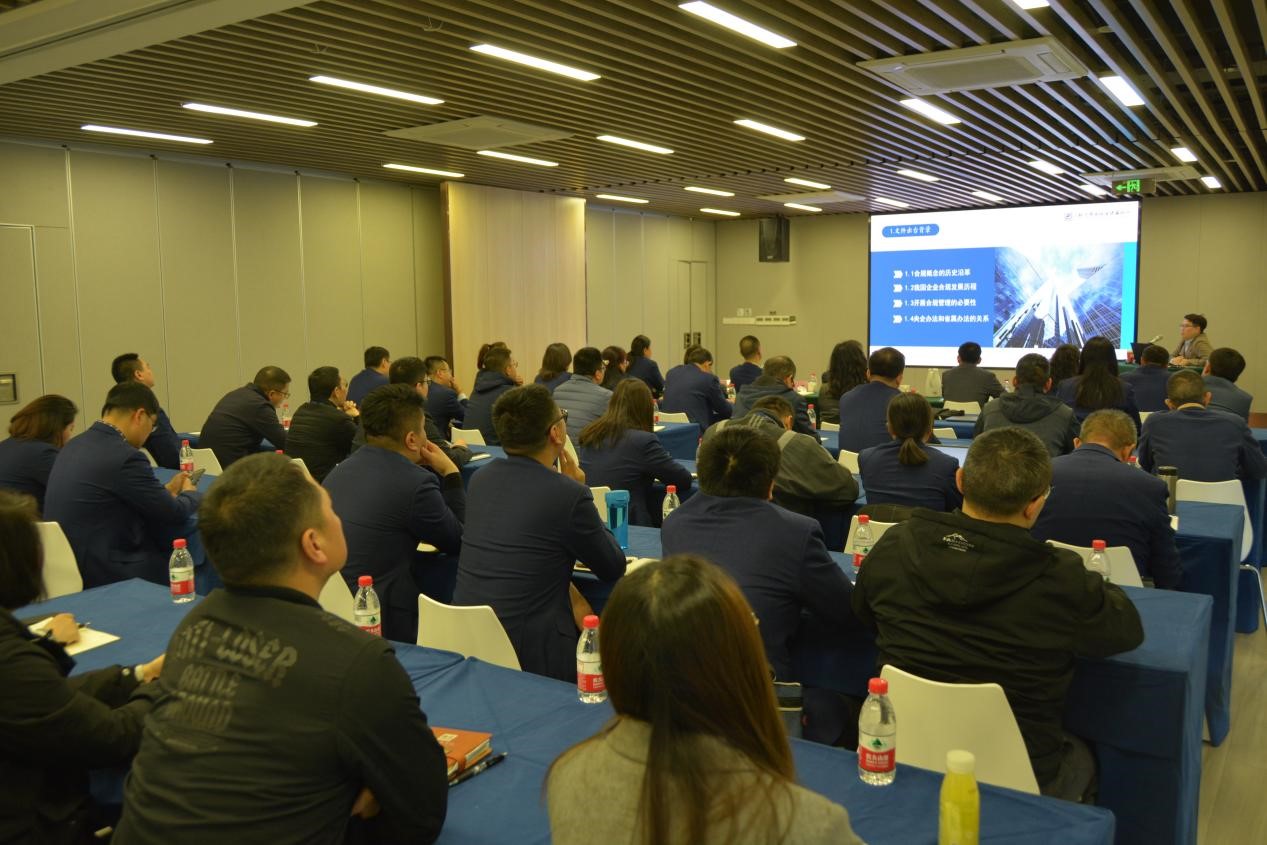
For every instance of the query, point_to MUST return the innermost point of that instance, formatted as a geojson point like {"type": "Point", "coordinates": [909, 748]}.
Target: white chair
{"type": "Point", "coordinates": [830, 427]}
{"type": "Point", "coordinates": [1122, 569]}
{"type": "Point", "coordinates": [205, 459]}
{"type": "Point", "coordinates": [61, 572]}
{"type": "Point", "coordinates": [571, 450]}
{"type": "Point", "coordinates": [966, 407]}
{"type": "Point", "coordinates": [1227, 493]}
{"type": "Point", "coordinates": [674, 416]}
{"type": "Point", "coordinates": [470, 631]}
{"type": "Point", "coordinates": [302, 465]}
{"type": "Point", "coordinates": [938, 717]}
{"type": "Point", "coordinates": [945, 433]}
{"type": "Point", "coordinates": [149, 457]}
{"type": "Point", "coordinates": [472, 436]}
{"type": "Point", "coordinates": [600, 501]}
{"type": "Point", "coordinates": [877, 531]}
{"type": "Point", "coordinates": [1143, 415]}
{"type": "Point", "coordinates": [848, 460]}
{"type": "Point", "coordinates": [336, 598]}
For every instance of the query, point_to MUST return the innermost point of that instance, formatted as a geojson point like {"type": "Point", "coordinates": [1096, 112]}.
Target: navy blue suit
{"type": "Point", "coordinates": [1094, 496]}
{"type": "Point", "coordinates": [526, 525]}
{"type": "Point", "coordinates": [1226, 396]}
{"type": "Point", "coordinates": [25, 466]}
{"type": "Point", "coordinates": [698, 394]}
{"type": "Point", "coordinates": [163, 443]}
{"type": "Point", "coordinates": [633, 463]}
{"type": "Point", "coordinates": [778, 559]}
{"type": "Point", "coordinates": [388, 506]}
{"type": "Point", "coordinates": [930, 485]}
{"type": "Point", "coordinates": [119, 519]}
{"type": "Point", "coordinates": [1205, 445]}
{"type": "Point", "coordinates": [745, 373]}
{"type": "Point", "coordinates": [444, 406]}
{"type": "Point", "coordinates": [647, 370]}
{"type": "Point", "coordinates": [1149, 384]}
{"type": "Point", "coordinates": [363, 382]}
{"type": "Point", "coordinates": [237, 424]}
{"type": "Point", "coordinates": [1068, 392]}
{"type": "Point", "coordinates": [489, 387]}
{"type": "Point", "coordinates": [864, 416]}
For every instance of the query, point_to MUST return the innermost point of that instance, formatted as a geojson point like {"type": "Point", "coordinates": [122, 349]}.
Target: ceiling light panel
{"type": "Point", "coordinates": [987, 196]}
{"type": "Point", "coordinates": [1094, 190]}
{"type": "Point", "coordinates": [1211, 182]}
{"type": "Point", "coordinates": [1122, 91]}
{"type": "Point", "coordinates": [140, 133]}
{"type": "Point", "coordinates": [770, 130]}
{"type": "Point", "coordinates": [1031, 4]}
{"type": "Point", "coordinates": [540, 162]}
{"type": "Point", "coordinates": [723, 212]}
{"type": "Point", "coordinates": [930, 111]}
{"type": "Point", "coordinates": [533, 61]}
{"type": "Point", "coordinates": [448, 174]}
{"type": "Point", "coordinates": [894, 203]}
{"type": "Point", "coordinates": [695, 189]}
{"type": "Point", "coordinates": [619, 198]}
{"type": "Point", "coordinates": [1047, 167]}
{"type": "Point", "coordinates": [375, 89]}
{"type": "Point", "coordinates": [799, 207]}
{"type": "Point", "coordinates": [796, 180]}
{"type": "Point", "coordinates": [637, 145]}
{"type": "Point", "coordinates": [1183, 154]}
{"type": "Point", "coordinates": [922, 177]}
{"type": "Point", "coordinates": [250, 115]}
{"type": "Point", "coordinates": [737, 24]}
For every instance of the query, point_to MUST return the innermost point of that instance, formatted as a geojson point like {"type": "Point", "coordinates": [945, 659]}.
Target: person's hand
{"type": "Point", "coordinates": [366, 805]}
{"type": "Point", "coordinates": [569, 467]}
{"type": "Point", "coordinates": [433, 456]}
{"type": "Point", "coordinates": [461, 444]}
{"type": "Point", "coordinates": [179, 484]}
{"type": "Point", "coordinates": [64, 629]}
{"type": "Point", "coordinates": [349, 408]}
{"type": "Point", "coordinates": [154, 668]}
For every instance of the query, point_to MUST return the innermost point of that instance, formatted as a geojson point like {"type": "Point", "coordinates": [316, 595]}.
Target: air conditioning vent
{"type": "Point", "coordinates": [814, 197]}
{"type": "Point", "coordinates": [479, 133]}
{"type": "Point", "coordinates": [1178, 173]}
{"type": "Point", "coordinates": [988, 66]}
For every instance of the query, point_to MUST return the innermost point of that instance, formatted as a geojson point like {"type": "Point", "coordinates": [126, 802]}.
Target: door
{"type": "Point", "coordinates": [20, 338]}
{"type": "Point", "coordinates": [689, 320]}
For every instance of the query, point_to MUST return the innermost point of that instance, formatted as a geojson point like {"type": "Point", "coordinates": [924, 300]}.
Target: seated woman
{"type": "Point", "coordinates": [1097, 384]}
{"type": "Point", "coordinates": [619, 450]}
{"type": "Point", "coordinates": [36, 434]}
{"type": "Point", "coordinates": [902, 471]}
{"type": "Point", "coordinates": [1064, 364]}
{"type": "Point", "coordinates": [697, 752]}
{"type": "Point", "coordinates": [846, 370]}
{"type": "Point", "coordinates": [615, 362]}
{"type": "Point", "coordinates": [53, 729]}
{"type": "Point", "coordinates": [554, 366]}
{"type": "Point", "coordinates": [643, 366]}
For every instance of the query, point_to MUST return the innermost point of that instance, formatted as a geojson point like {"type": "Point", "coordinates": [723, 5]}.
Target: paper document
{"type": "Point", "coordinates": [480, 456]}
{"type": "Point", "coordinates": [89, 638]}
{"type": "Point", "coordinates": [1174, 522]}
{"type": "Point", "coordinates": [658, 428]}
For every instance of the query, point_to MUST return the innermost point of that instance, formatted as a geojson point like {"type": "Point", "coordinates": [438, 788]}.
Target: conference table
{"type": "Point", "coordinates": [533, 719]}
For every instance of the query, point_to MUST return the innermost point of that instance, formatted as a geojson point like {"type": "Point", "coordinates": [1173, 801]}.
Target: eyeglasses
{"type": "Point", "coordinates": [1187, 326]}
{"type": "Point", "coordinates": [562, 418]}
{"type": "Point", "coordinates": [285, 395]}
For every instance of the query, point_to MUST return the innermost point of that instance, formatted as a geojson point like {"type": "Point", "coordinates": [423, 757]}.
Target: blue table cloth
{"type": "Point", "coordinates": [1248, 607]}
{"type": "Point", "coordinates": [680, 440]}
{"type": "Point", "coordinates": [206, 578]}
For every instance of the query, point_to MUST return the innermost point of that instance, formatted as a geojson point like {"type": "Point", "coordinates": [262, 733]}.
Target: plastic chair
{"type": "Point", "coordinates": [600, 501]}
{"type": "Point", "coordinates": [848, 460]}
{"type": "Point", "coordinates": [470, 631]}
{"type": "Point", "coordinates": [830, 427]}
{"type": "Point", "coordinates": [1143, 415]}
{"type": "Point", "coordinates": [1122, 569]}
{"type": "Point", "coordinates": [674, 416]}
{"type": "Point", "coordinates": [205, 459]}
{"type": "Point", "coordinates": [61, 571]}
{"type": "Point", "coordinates": [336, 598]}
{"type": "Point", "coordinates": [877, 531]}
{"type": "Point", "coordinates": [472, 436]}
{"type": "Point", "coordinates": [1227, 493]}
{"type": "Point", "coordinates": [938, 717]}
{"type": "Point", "coordinates": [302, 465]}
{"type": "Point", "coordinates": [966, 407]}
{"type": "Point", "coordinates": [945, 433]}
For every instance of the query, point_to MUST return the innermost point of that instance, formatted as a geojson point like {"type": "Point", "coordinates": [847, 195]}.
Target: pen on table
{"type": "Point", "coordinates": [475, 770]}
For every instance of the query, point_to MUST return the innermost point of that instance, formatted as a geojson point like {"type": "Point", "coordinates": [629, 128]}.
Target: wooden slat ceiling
{"type": "Point", "coordinates": [673, 79]}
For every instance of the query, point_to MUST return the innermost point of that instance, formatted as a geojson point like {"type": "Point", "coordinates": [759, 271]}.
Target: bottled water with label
{"type": "Point", "coordinates": [365, 607]}
{"type": "Point", "coordinates": [186, 457]}
{"type": "Point", "coordinates": [285, 417]}
{"type": "Point", "coordinates": [877, 736]}
{"type": "Point", "coordinates": [670, 502]}
{"type": "Point", "coordinates": [813, 416]}
{"type": "Point", "coordinates": [1099, 560]}
{"type": "Point", "coordinates": [590, 688]}
{"type": "Point", "coordinates": [180, 573]}
{"type": "Point", "coordinates": [862, 540]}
{"type": "Point", "coordinates": [812, 385]}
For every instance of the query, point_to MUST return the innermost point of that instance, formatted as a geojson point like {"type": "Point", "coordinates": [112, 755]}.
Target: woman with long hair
{"type": "Point", "coordinates": [615, 362]}
{"type": "Point", "coordinates": [903, 471]}
{"type": "Point", "coordinates": [846, 370]}
{"type": "Point", "coordinates": [554, 366]}
{"type": "Point", "coordinates": [1064, 364]}
{"type": "Point", "coordinates": [642, 366]}
{"type": "Point", "coordinates": [1097, 384]}
{"type": "Point", "coordinates": [37, 433]}
{"type": "Point", "coordinates": [620, 450]}
{"type": "Point", "coordinates": [697, 752]}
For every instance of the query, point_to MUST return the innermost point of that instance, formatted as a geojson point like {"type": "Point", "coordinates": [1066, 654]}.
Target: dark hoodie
{"type": "Point", "coordinates": [959, 600]}
{"type": "Point", "coordinates": [489, 386]}
{"type": "Point", "coordinates": [770, 386]}
{"type": "Point", "coordinates": [1050, 419]}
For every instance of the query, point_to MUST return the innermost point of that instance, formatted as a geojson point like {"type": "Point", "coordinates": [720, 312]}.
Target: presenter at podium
{"type": "Point", "coordinates": [1194, 347]}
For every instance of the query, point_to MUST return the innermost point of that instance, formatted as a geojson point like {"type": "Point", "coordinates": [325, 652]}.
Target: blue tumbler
{"type": "Point", "coordinates": [618, 516]}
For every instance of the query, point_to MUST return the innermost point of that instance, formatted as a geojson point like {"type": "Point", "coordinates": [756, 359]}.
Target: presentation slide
{"type": "Point", "coordinates": [1014, 280]}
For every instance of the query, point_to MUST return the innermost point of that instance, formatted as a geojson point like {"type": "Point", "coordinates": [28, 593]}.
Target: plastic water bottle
{"type": "Point", "coordinates": [671, 502]}
{"type": "Point", "coordinates": [286, 417]}
{"type": "Point", "coordinates": [1099, 561]}
{"type": "Point", "coordinates": [365, 607]}
{"type": "Point", "coordinates": [862, 540]}
{"type": "Point", "coordinates": [730, 391]}
{"type": "Point", "coordinates": [1133, 462]}
{"type": "Point", "coordinates": [186, 457]}
{"type": "Point", "coordinates": [813, 417]}
{"type": "Point", "coordinates": [959, 821]}
{"type": "Point", "coordinates": [877, 736]}
{"type": "Point", "coordinates": [590, 688]}
{"type": "Point", "coordinates": [812, 385]}
{"type": "Point", "coordinates": [180, 573]}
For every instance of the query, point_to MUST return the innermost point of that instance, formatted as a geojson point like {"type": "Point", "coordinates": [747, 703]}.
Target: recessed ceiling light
{"type": "Point", "coordinates": [1211, 182]}
{"type": "Point", "coordinates": [448, 174]}
{"type": "Point", "coordinates": [915, 174]}
{"type": "Point", "coordinates": [1032, 4]}
{"type": "Point", "coordinates": [771, 130]}
{"type": "Point", "coordinates": [375, 89]}
{"type": "Point", "coordinates": [796, 180]}
{"type": "Point", "coordinates": [799, 207]}
{"type": "Point", "coordinates": [1047, 167]}
{"type": "Point", "coordinates": [637, 145]}
{"type": "Point", "coordinates": [619, 198]}
{"type": "Point", "coordinates": [158, 136]}
{"type": "Point", "coordinates": [737, 24]}
{"type": "Point", "coordinates": [253, 115]}
{"type": "Point", "coordinates": [1183, 154]}
{"type": "Point", "coordinates": [986, 195]}
{"type": "Point", "coordinates": [894, 203]}
{"type": "Point", "coordinates": [712, 191]}
{"type": "Point", "coordinates": [1122, 90]}
{"type": "Point", "coordinates": [1094, 190]}
{"type": "Point", "coordinates": [930, 111]}
{"type": "Point", "coordinates": [723, 212]}
{"type": "Point", "coordinates": [533, 61]}
{"type": "Point", "coordinates": [512, 157]}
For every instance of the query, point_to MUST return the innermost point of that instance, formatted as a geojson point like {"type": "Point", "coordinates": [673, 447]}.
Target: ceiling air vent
{"type": "Point", "coordinates": [814, 197]}
{"type": "Point", "coordinates": [987, 66]}
{"type": "Point", "coordinates": [1178, 173]}
{"type": "Point", "coordinates": [479, 133]}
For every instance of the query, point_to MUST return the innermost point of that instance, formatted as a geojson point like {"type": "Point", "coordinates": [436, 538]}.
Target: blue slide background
{"type": "Point", "coordinates": [916, 269]}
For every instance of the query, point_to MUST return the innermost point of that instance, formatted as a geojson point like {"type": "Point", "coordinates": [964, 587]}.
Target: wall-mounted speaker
{"type": "Point", "coordinates": [775, 239]}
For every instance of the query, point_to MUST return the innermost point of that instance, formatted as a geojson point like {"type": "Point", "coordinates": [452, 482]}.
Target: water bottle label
{"type": "Point", "coordinates": [182, 586]}
{"type": "Point", "coordinates": [187, 466]}
{"type": "Point", "coordinates": [876, 753]}
{"type": "Point", "coordinates": [371, 624]}
{"type": "Point", "coordinates": [857, 558]}
{"type": "Point", "coordinates": [588, 681]}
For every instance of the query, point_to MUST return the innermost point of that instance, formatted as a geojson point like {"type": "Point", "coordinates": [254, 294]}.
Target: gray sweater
{"type": "Point", "coordinates": [1041, 413]}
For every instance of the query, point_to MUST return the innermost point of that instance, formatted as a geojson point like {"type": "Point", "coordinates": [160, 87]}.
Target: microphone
{"type": "Point", "coordinates": [1154, 340]}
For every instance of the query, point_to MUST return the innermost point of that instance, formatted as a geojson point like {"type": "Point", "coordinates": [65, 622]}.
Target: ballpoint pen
{"type": "Point", "coordinates": [475, 770]}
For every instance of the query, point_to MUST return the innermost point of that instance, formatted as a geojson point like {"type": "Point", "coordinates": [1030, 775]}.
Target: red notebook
{"type": "Point", "coordinates": [462, 748]}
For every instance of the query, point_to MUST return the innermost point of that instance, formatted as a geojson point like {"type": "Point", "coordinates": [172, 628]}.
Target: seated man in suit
{"type": "Point", "coordinates": [389, 498]}
{"type": "Point", "coordinates": [446, 403]}
{"type": "Point", "coordinates": [971, 597]}
{"type": "Point", "coordinates": [583, 396]}
{"type": "Point", "coordinates": [377, 361]}
{"type": "Point", "coordinates": [1149, 379]}
{"type": "Point", "coordinates": [778, 378]}
{"type": "Point", "coordinates": [273, 720]}
{"type": "Point", "coordinates": [1032, 407]}
{"type": "Point", "coordinates": [120, 520]}
{"type": "Point", "coordinates": [162, 444]}
{"type": "Point", "coordinates": [1194, 347]}
{"type": "Point", "coordinates": [412, 371]}
{"type": "Point", "coordinates": [864, 410]}
{"type": "Point", "coordinates": [500, 374]}
{"type": "Point", "coordinates": [1204, 445]}
{"type": "Point", "coordinates": [968, 382]}
{"type": "Point", "coordinates": [526, 525]}
{"type": "Point", "coordinates": [1221, 372]}
{"type": "Point", "coordinates": [246, 416]}
{"type": "Point", "coordinates": [1097, 495]}
{"type": "Point", "coordinates": [692, 389]}
{"type": "Point", "coordinates": [750, 370]}
{"type": "Point", "coordinates": [322, 430]}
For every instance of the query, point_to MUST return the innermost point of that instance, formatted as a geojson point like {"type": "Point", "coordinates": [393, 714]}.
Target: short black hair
{"type": "Point", "coordinates": [1197, 320]}
{"type": "Point", "coordinates": [1226, 362]}
{"type": "Point", "coordinates": [497, 359]}
{"type": "Point", "coordinates": [272, 378]}
{"type": "Point", "coordinates": [886, 362]}
{"type": "Point", "coordinates": [21, 553]}
{"type": "Point", "coordinates": [970, 352]}
{"type": "Point", "coordinates": [130, 396]}
{"type": "Point", "coordinates": [749, 346]}
{"type": "Point", "coordinates": [1006, 469]}
{"type": "Point", "coordinates": [392, 411]}
{"type": "Point", "coordinates": [698, 355]}
{"type": "Point", "coordinates": [779, 367]}
{"type": "Point", "coordinates": [522, 417]}
{"type": "Point", "coordinates": [640, 344]}
{"type": "Point", "coordinates": [738, 461]}
{"type": "Point", "coordinates": [125, 367]}
{"type": "Point", "coordinates": [374, 356]}
{"type": "Point", "coordinates": [410, 371]}
{"type": "Point", "coordinates": [253, 516]}
{"type": "Point", "coordinates": [1033, 369]}
{"type": "Point", "coordinates": [322, 382]}
{"type": "Point", "coordinates": [1155, 354]}
{"type": "Point", "coordinates": [776, 405]}
{"type": "Point", "coordinates": [1185, 387]}
{"type": "Point", "coordinates": [434, 363]}
{"type": "Point", "coordinates": [587, 361]}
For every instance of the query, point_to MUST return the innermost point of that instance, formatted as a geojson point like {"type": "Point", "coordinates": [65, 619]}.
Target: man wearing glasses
{"type": "Point", "coordinates": [246, 416]}
{"type": "Point", "coordinates": [1194, 347]}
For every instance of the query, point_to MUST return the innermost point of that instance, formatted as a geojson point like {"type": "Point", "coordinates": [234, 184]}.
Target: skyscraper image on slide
{"type": "Point", "coordinates": [1063, 295]}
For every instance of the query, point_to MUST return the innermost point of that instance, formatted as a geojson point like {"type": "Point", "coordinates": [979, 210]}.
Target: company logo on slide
{"type": "Point", "coordinates": [916, 230]}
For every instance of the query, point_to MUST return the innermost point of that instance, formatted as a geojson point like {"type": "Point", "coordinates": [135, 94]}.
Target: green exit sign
{"type": "Point", "coordinates": [1134, 186]}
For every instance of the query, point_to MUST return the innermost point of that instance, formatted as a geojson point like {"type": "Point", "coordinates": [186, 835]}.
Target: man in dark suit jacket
{"type": "Point", "coordinates": [446, 403]}
{"type": "Point", "coordinates": [1204, 445]}
{"type": "Point", "coordinates": [778, 378]}
{"type": "Point", "coordinates": [246, 416]}
{"type": "Point", "coordinates": [694, 390]}
{"type": "Point", "coordinates": [526, 525]}
{"type": "Point", "coordinates": [390, 500]}
{"type": "Point", "coordinates": [162, 444]}
{"type": "Point", "coordinates": [377, 362]}
{"type": "Point", "coordinates": [1221, 372]}
{"type": "Point", "coordinates": [1149, 379]}
{"type": "Point", "coordinates": [864, 410]}
{"type": "Point", "coordinates": [750, 370]}
{"type": "Point", "coordinates": [968, 382]}
{"type": "Point", "coordinates": [1097, 495]}
{"type": "Point", "coordinates": [119, 519]}
{"type": "Point", "coordinates": [322, 431]}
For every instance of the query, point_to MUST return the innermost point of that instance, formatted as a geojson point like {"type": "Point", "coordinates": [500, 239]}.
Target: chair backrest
{"type": "Point", "coordinates": [1122, 569]}
{"type": "Point", "coordinates": [674, 416]}
{"type": "Point", "coordinates": [877, 531]}
{"type": "Point", "coordinates": [829, 427]}
{"type": "Point", "coordinates": [149, 457]}
{"type": "Point", "coordinates": [470, 631]}
{"type": "Point", "coordinates": [205, 459]}
{"type": "Point", "coordinates": [946, 433]}
{"type": "Point", "coordinates": [848, 460]}
{"type": "Point", "coordinates": [1219, 493]}
{"type": "Point", "coordinates": [937, 717]}
{"type": "Point", "coordinates": [336, 598]}
{"type": "Point", "coordinates": [600, 501]}
{"type": "Point", "coordinates": [61, 572]}
{"type": "Point", "coordinates": [1143, 415]}
{"type": "Point", "coordinates": [472, 436]}
{"type": "Point", "coordinates": [966, 407]}
{"type": "Point", "coordinates": [301, 463]}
